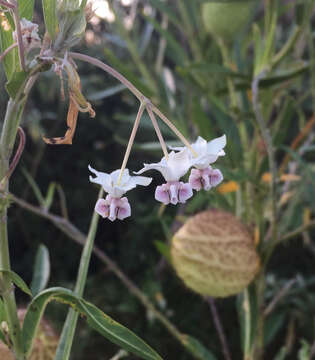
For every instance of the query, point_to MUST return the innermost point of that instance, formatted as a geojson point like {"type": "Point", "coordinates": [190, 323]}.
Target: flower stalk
{"type": "Point", "coordinates": [67, 335]}
{"type": "Point", "coordinates": [131, 140]}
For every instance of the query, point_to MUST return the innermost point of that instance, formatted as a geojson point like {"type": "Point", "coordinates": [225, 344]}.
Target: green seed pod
{"type": "Point", "coordinates": [226, 18]}
{"type": "Point", "coordinates": [214, 254]}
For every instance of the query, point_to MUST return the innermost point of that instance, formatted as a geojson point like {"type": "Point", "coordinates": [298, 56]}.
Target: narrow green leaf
{"type": "Point", "coordinates": [177, 52]}
{"type": "Point", "coordinates": [208, 68]}
{"type": "Point", "coordinates": [17, 280]}
{"type": "Point", "coordinates": [34, 186]}
{"type": "Point", "coordinates": [6, 39]}
{"type": "Point", "coordinates": [50, 17]}
{"type": "Point", "coordinates": [15, 83]}
{"type": "Point", "coordinates": [273, 324]}
{"type": "Point", "coordinates": [164, 249]}
{"type": "Point", "coordinates": [41, 270]}
{"type": "Point", "coordinates": [98, 320]}
{"type": "Point", "coordinates": [26, 8]}
{"type": "Point", "coordinates": [196, 348]}
{"type": "Point", "coordinates": [165, 9]}
{"type": "Point", "coordinates": [49, 196]}
{"type": "Point", "coordinates": [124, 70]}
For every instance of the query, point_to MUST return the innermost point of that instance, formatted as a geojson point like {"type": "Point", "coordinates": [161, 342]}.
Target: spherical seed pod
{"type": "Point", "coordinates": [226, 19]}
{"type": "Point", "coordinates": [214, 254]}
{"type": "Point", "coordinates": [45, 343]}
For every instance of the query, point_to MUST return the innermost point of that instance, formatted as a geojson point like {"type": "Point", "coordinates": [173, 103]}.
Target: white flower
{"type": "Point", "coordinates": [30, 36]}
{"type": "Point", "coordinates": [113, 208]}
{"type": "Point", "coordinates": [172, 168]}
{"type": "Point", "coordinates": [207, 152]}
{"type": "Point", "coordinates": [109, 182]}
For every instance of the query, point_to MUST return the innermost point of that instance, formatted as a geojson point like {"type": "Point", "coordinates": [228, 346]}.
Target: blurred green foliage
{"type": "Point", "coordinates": [164, 49]}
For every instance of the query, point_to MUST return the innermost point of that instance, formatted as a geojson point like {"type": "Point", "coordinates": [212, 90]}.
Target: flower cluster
{"type": "Point", "coordinates": [30, 35]}
{"type": "Point", "coordinates": [173, 167]}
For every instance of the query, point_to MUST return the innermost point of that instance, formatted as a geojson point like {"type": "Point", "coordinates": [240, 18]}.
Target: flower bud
{"type": "Point", "coordinates": [226, 19]}
{"type": "Point", "coordinates": [214, 254]}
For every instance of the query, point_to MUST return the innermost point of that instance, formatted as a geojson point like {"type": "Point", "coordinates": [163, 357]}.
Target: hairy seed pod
{"type": "Point", "coordinates": [226, 19]}
{"type": "Point", "coordinates": [214, 254]}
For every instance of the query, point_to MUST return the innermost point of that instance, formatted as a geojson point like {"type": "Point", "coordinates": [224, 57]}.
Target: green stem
{"type": "Point", "coordinates": [246, 309]}
{"type": "Point", "coordinates": [226, 63]}
{"type": "Point", "coordinates": [9, 130]}
{"type": "Point", "coordinates": [66, 339]}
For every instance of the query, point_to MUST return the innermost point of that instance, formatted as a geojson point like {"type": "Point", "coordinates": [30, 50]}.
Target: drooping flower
{"type": "Point", "coordinates": [172, 169]}
{"type": "Point", "coordinates": [204, 176]}
{"type": "Point", "coordinates": [114, 206]}
{"type": "Point", "coordinates": [207, 152]}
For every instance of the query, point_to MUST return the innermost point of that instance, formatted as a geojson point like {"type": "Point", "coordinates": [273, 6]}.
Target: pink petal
{"type": "Point", "coordinates": [185, 192]}
{"type": "Point", "coordinates": [162, 194]}
{"type": "Point", "coordinates": [206, 181]}
{"type": "Point", "coordinates": [102, 208]}
{"type": "Point", "coordinates": [195, 179]}
{"type": "Point", "coordinates": [124, 209]}
{"type": "Point", "coordinates": [113, 209]}
{"type": "Point", "coordinates": [174, 193]}
{"type": "Point", "coordinates": [215, 177]}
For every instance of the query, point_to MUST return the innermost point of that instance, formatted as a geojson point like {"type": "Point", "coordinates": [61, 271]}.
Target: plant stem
{"type": "Point", "coordinates": [131, 140]}
{"type": "Point", "coordinates": [219, 328]}
{"type": "Point", "coordinates": [76, 235]}
{"type": "Point", "coordinates": [110, 71]}
{"type": "Point", "coordinates": [247, 315]}
{"type": "Point", "coordinates": [158, 131]}
{"type": "Point", "coordinates": [270, 151]}
{"type": "Point", "coordinates": [135, 91]}
{"type": "Point", "coordinates": [9, 130]}
{"type": "Point", "coordinates": [7, 50]}
{"type": "Point", "coordinates": [66, 339]}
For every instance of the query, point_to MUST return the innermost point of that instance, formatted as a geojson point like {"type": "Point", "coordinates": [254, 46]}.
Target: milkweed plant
{"type": "Point", "coordinates": [216, 246]}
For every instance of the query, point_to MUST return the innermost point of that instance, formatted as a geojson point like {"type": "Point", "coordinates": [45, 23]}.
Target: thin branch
{"type": "Point", "coordinates": [7, 50]}
{"type": "Point", "coordinates": [219, 328]}
{"type": "Point", "coordinates": [19, 36]}
{"type": "Point", "coordinates": [131, 140]}
{"type": "Point", "coordinates": [17, 155]}
{"type": "Point", "coordinates": [296, 232]}
{"type": "Point", "coordinates": [75, 234]}
{"type": "Point", "coordinates": [283, 291]}
{"type": "Point", "coordinates": [158, 131]}
{"type": "Point", "coordinates": [270, 151]}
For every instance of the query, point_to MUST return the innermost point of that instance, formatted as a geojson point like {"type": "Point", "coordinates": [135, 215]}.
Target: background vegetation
{"type": "Point", "coordinates": [203, 81]}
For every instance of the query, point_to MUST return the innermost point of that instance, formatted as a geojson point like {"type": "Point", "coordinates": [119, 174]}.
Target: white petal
{"type": "Point", "coordinates": [216, 145]}
{"type": "Point", "coordinates": [101, 178]}
{"type": "Point", "coordinates": [178, 163]}
{"type": "Point", "coordinates": [200, 146]}
{"type": "Point", "coordinates": [115, 176]}
{"type": "Point", "coordinates": [163, 169]}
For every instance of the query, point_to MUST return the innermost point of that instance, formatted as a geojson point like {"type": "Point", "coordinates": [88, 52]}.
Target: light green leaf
{"type": "Point", "coordinates": [164, 249]}
{"type": "Point", "coordinates": [15, 83]}
{"type": "Point", "coordinates": [41, 270]}
{"type": "Point", "coordinates": [6, 39]}
{"type": "Point", "coordinates": [17, 280]}
{"type": "Point", "coordinates": [196, 348]}
{"type": "Point", "coordinates": [165, 9]}
{"type": "Point", "coordinates": [26, 8]}
{"type": "Point", "coordinates": [98, 320]}
{"type": "Point", "coordinates": [49, 196]}
{"type": "Point", "coordinates": [50, 17]}
{"type": "Point", "coordinates": [34, 186]}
